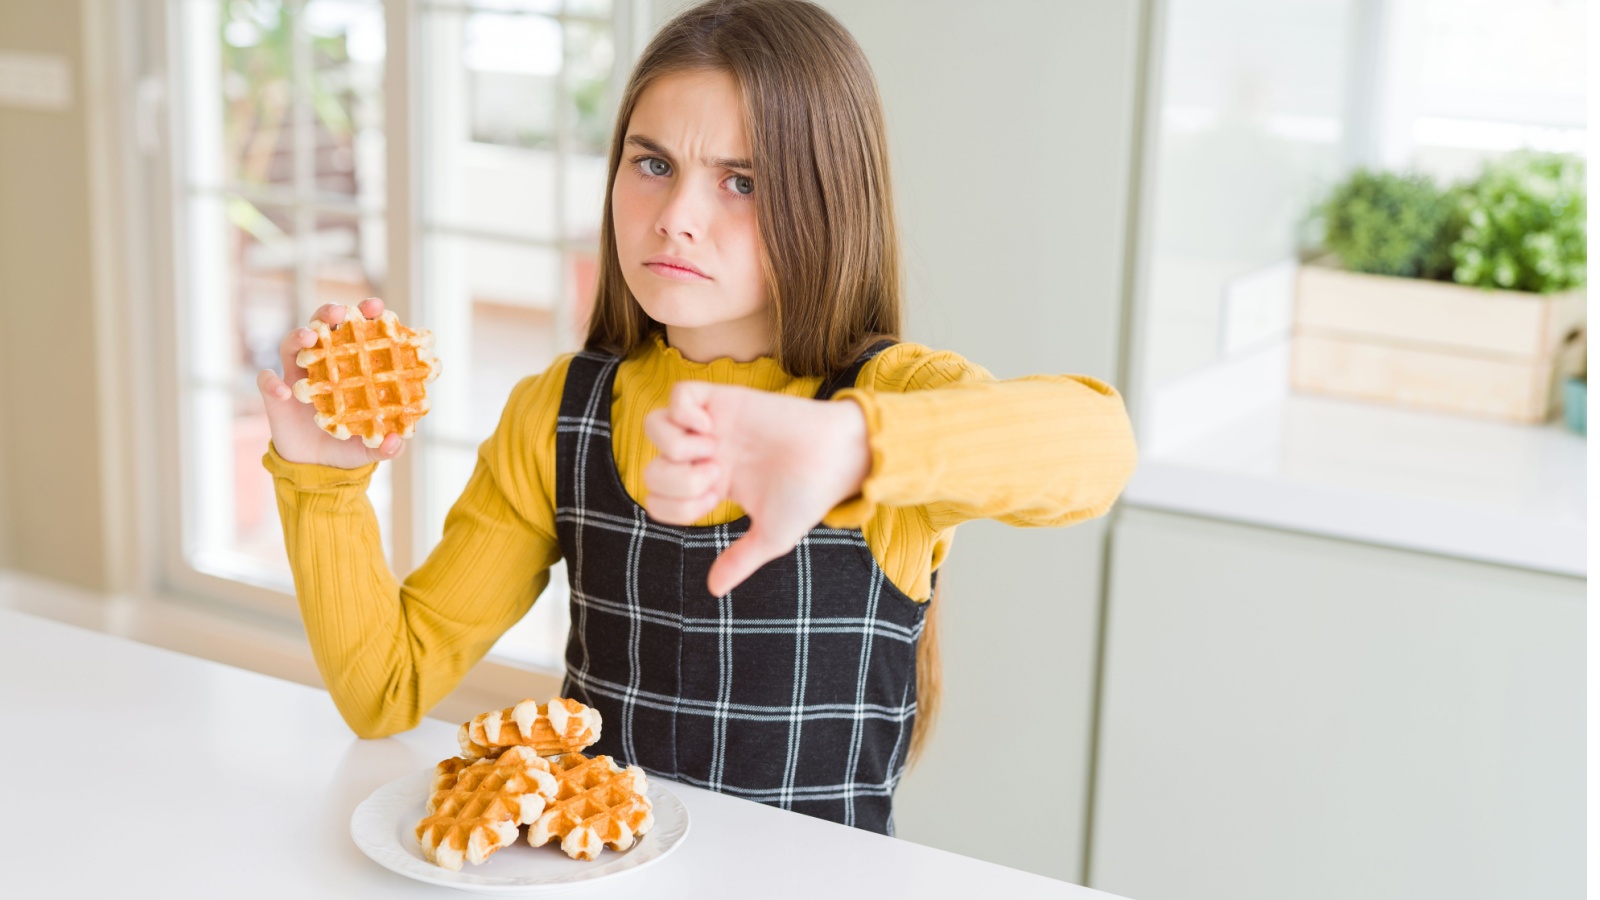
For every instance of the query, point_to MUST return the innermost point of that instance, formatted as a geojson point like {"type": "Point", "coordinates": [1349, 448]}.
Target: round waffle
{"type": "Point", "coordinates": [553, 728]}
{"type": "Point", "coordinates": [476, 807]}
{"type": "Point", "coordinates": [597, 803]}
{"type": "Point", "coordinates": [367, 377]}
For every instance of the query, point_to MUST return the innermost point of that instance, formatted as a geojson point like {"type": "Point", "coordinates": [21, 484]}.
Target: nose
{"type": "Point", "coordinates": [683, 212]}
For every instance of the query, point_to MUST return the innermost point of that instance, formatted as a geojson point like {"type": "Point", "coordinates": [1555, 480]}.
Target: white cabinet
{"type": "Point", "coordinates": [1294, 716]}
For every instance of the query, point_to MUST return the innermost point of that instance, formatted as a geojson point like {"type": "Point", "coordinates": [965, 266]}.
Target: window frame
{"type": "Point", "coordinates": [160, 161]}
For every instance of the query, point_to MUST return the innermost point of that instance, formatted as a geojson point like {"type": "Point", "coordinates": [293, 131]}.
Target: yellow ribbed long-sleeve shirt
{"type": "Point", "coordinates": [948, 443]}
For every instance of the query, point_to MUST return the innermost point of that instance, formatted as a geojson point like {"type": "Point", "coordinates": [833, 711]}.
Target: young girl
{"type": "Point", "coordinates": [741, 383]}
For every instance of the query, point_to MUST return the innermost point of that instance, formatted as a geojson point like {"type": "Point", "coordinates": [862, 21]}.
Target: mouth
{"type": "Point", "coordinates": [676, 269]}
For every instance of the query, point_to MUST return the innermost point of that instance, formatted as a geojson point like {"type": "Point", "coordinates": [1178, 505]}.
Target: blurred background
{"type": "Point", "coordinates": [1333, 253]}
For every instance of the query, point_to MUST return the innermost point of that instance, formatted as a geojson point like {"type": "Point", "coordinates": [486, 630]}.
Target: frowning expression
{"type": "Point", "coordinates": [683, 206]}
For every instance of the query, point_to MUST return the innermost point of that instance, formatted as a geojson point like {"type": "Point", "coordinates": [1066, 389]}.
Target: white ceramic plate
{"type": "Point", "coordinates": [384, 827]}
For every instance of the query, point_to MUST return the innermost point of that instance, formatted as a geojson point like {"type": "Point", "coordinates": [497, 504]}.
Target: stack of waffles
{"type": "Point", "coordinates": [523, 765]}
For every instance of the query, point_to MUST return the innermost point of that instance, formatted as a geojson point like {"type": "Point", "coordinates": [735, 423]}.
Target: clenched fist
{"type": "Point", "coordinates": [787, 461]}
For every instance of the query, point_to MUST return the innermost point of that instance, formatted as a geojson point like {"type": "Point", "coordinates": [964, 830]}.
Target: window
{"type": "Point", "coordinates": [1473, 79]}
{"type": "Point", "coordinates": [292, 191]}
{"type": "Point", "coordinates": [1262, 107]}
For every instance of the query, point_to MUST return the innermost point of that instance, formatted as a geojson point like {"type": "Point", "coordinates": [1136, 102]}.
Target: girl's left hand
{"type": "Point", "coordinates": [787, 461]}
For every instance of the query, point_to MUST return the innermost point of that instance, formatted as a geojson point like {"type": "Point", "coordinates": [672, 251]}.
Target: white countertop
{"type": "Point", "coordinates": [137, 771]}
{"type": "Point", "coordinates": [1232, 442]}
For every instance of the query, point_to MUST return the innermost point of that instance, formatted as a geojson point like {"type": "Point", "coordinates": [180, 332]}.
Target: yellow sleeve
{"type": "Point", "coordinates": [389, 651]}
{"type": "Point", "coordinates": [946, 436]}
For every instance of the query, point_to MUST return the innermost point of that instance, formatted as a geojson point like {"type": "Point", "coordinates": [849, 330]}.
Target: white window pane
{"type": "Point", "coordinates": [261, 265]}
{"type": "Point", "coordinates": [1531, 51]}
{"type": "Point", "coordinates": [491, 189]}
{"type": "Point", "coordinates": [487, 189]}
{"type": "Point", "coordinates": [347, 44]}
{"type": "Point", "coordinates": [257, 534]}
{"type": "Point", "coordinates": [232, 524]}
{"type": "Point", "coordinates": [240, 286]}
{"type": "Point", "coordinates": [243, 262]}
{"type": "Point", "coordinates": [511, 108]}
{"type": "Point", "coordinates": [491, 307]}
{"type": "Point", "coordinates": [592, 103]}
{"type": "Point", "coordinates": [234, 527]}
{"type": "Point", "coordinates": [488, 161]}
{"type": "Point", "coordinates": [510, 343]}
{"type": "Point", "coordinates": [275, 76]}
{"type": "Point", "coordinates": [511, 44]}
{"type": "Point", "coordinates": [1494, 76]}
{"type": "Point", "coordinates": [1252, 96]}
{"type": "Point", "coordinates": [500, 75]}
{"type": "Point", "coordinates": [540, 638]}
{"type": "Point", "coordinates": [348, 256]}
{"type": "Point", "coordinates": [584, 198]}
{"type": "Point", "coordinates": [590, 58]}
{"type": "Point", "coordinates": [257, 95]}
{"type": "Point", "coordinates": [446, 468]}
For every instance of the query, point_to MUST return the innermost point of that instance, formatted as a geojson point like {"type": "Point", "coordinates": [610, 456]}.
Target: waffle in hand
{"type": "Point", "coordinates": [560, 726]}
{"type": "Point", "coordinates": [476, 807]}
{"type": "Point", "coordinates": [597, 803]}
{"type": "Point", "coordinates": [367, 377]}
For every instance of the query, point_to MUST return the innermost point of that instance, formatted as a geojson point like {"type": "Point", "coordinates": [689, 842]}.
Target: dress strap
{"type": "Point", "coordinates": [847, 378]}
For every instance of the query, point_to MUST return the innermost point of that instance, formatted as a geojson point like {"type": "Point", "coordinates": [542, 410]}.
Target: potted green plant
{"type": "Point", "coordinates": [1458, 299]}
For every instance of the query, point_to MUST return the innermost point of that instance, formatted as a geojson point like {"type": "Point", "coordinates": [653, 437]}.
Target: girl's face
{"type": "Point", "coordinates": [685, 189]}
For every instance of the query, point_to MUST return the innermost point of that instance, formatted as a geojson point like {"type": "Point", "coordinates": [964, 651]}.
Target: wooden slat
{"type": "Point", "coordinates": [1483, 385]}
{"type": "Point", "coordinates": [1437, 314]}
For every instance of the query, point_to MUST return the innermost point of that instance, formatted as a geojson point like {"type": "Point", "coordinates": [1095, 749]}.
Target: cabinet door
{"type": "Point", "coordinates": [1291, 716]}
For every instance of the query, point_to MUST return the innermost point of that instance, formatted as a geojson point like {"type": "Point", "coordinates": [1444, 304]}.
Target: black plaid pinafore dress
{"type": "Point", "coordinates": [797, 689]}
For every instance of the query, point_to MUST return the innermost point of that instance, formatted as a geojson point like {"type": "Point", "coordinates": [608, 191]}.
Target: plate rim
{"type": "Point", "coordinates": [393, 856]}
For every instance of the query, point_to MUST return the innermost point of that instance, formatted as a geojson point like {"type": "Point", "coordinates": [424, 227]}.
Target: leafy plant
{"type": "Point", "coordinates": [1520, 225]}
{"type": "Point", "coordinates": [257, 66]}
{"type": "Point", "coordinates": [1526, 225]}
{"type": "Point", "coordinates": [1385, 223]}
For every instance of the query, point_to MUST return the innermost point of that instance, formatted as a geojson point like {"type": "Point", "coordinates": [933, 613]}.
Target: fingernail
{"type": "Point", "coordinates": [282, 392]}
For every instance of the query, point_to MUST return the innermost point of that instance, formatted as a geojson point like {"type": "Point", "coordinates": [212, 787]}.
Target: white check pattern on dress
{"type": "Point", "coordinates": [797, 689]}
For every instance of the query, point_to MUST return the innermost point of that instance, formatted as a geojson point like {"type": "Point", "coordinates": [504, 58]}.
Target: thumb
{"type": "Point", "coordinates": [742, 558]}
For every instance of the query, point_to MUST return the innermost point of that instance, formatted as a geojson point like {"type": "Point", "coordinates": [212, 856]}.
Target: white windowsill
{"type": "Point", "coordinates": [244, 639]}
{"type": "Point", "coordinates": [1232, 442]}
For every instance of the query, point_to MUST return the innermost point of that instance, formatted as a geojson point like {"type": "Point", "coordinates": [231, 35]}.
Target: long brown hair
{"type": "Point", "coordinates": [829, 243]}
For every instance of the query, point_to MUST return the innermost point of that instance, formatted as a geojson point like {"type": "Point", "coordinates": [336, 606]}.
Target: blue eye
{"type": "Point", "coordinates": [656, 167]}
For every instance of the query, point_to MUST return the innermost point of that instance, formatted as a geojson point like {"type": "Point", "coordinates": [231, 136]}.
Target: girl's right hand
{"type": "Point", "coordinates": [295, 432]}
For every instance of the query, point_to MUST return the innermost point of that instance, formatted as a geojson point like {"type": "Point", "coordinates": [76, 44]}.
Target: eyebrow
{"type": "Point", "coordinates": [714, 162]}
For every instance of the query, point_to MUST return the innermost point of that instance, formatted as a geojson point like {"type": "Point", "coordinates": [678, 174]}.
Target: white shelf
{"type": "Point", "coordinates": [1232, 442]}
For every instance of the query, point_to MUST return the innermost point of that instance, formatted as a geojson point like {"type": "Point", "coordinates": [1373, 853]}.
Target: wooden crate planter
{"type": "Point", "coordinates": [1430, 344]}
